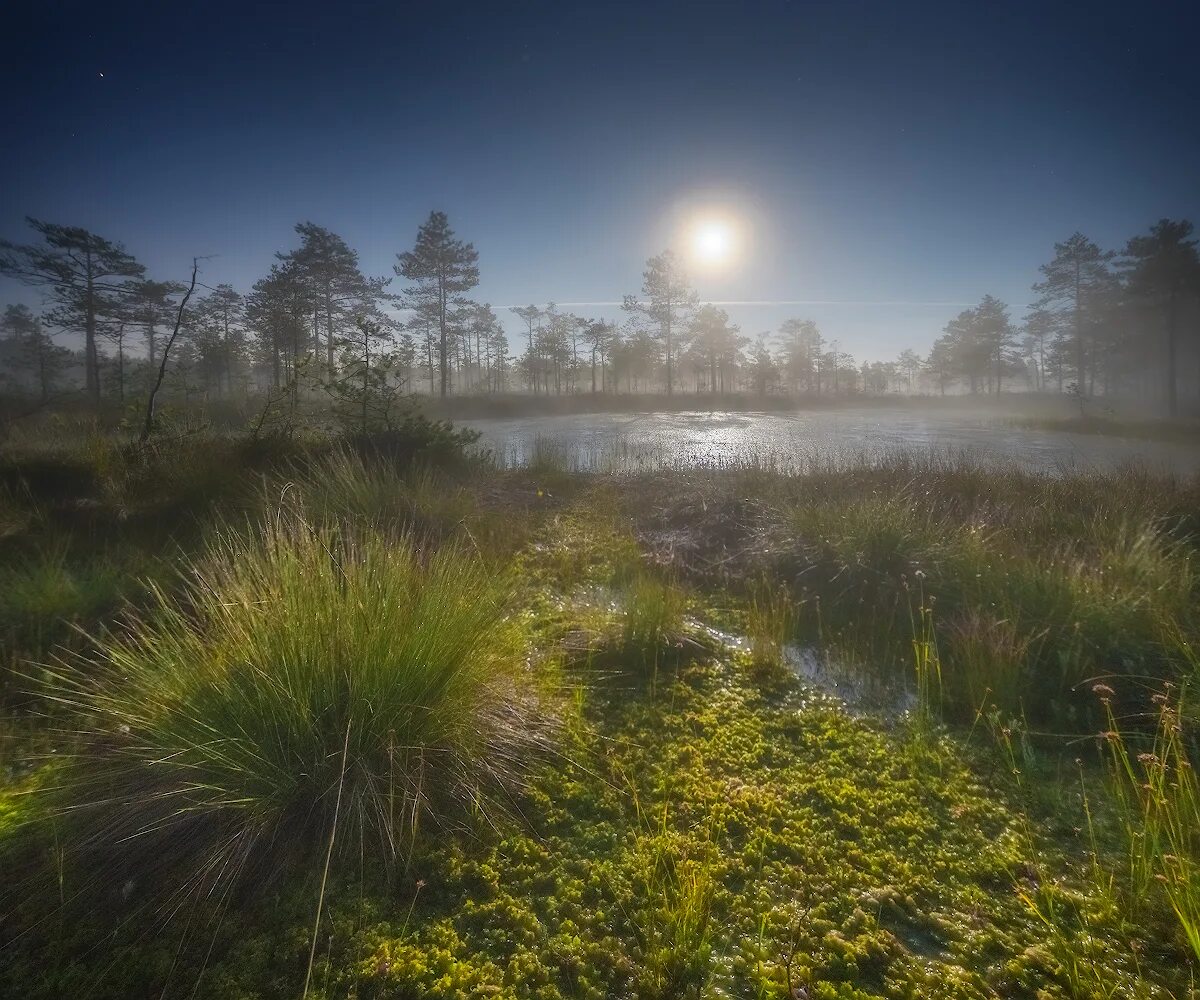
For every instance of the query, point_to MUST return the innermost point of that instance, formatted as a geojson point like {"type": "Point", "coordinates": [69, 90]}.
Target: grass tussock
{"type": "Point", "coordinates": [310, 686]}
{"type": "Point", "coordinates": [346, 486]}
{"type": "Point", "coordinates": [46, 599]}
{"type": "Point", "coordinates": [654, 610]}
{"type": "Point", "coordinates": [771, 622]}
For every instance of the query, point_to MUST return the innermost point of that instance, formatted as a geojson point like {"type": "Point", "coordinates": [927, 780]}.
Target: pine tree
{"type": "Point", "coordinates": [1164, 269]}
{"type": "Point", "coordinates": [442, 269]}
{"type": "Point", "coordinates": [84, 273]}
{"type": "Point", "coordinates": [713, 336]}
{"type": "Point", "coordinates": [340, 292]}
{"type": "Point", "coordinates": [1073, 280]}
{"type": "Point", "coordinates": [31, 351]}
{"type": "Point", "coordinates": [667, 301]}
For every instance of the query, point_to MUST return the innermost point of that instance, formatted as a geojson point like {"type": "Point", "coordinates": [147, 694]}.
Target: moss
{"type": "Point", "coordinates": [730, 844]}
{"type": "Point", "coordinates": [725, 831]}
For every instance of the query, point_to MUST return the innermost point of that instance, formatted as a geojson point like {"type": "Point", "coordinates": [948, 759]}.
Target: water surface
{"type": "Point", "coordinates": [631, 441]}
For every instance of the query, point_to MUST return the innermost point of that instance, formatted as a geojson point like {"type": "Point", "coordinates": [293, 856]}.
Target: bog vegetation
{"type": "Point", "coordinates": [299, 712]}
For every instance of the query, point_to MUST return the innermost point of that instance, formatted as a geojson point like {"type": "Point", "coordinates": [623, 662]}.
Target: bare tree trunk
{"type": "Point", "coordinates": [148, 424]}
{"type": "Point", "coordinates": [91, 362]}
{"type": "Point", "coordinates": [1172, 357]}
{"type": "Point", "coordinates": [443, 353]}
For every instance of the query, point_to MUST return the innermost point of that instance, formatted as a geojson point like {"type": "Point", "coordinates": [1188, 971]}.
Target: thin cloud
{"type": "Point", "coordinates": [914, 303]}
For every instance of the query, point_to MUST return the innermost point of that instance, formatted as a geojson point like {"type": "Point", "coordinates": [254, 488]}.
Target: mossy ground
{"type": "Point", "coordinates": [846, 859]}
{"type": "Point", "coordinates": [710, 827]}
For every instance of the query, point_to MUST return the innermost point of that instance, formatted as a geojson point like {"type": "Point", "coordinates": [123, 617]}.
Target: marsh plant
{"type": "Point", "coordinates": [309, 687]}
{"type": "Point", "coordinates": [654, 611]}
{"type": "Point", "coordinates": [371, 490]}
{"type": "Point", "coordinates": [674, 925]}
{"type": "Point", "coordinates": [1040, 583]}
{"type": "Point", "coordinates": [1159, 798]}
{"type": "Point", "coordinates": [771, 620]}
{"type": "Point", "coordinates": [983, 663]}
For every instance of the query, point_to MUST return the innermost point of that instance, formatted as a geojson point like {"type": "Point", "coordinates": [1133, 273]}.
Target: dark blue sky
{"type": "Point", "coordinates": [890, 160]}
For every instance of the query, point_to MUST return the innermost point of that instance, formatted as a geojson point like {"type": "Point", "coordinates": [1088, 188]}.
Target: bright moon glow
{"type": "Point", "coordinates": [713, 242]}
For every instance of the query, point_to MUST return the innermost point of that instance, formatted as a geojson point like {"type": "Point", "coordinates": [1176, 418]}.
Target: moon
{"type": "Point", "coordinates": [713, 242]}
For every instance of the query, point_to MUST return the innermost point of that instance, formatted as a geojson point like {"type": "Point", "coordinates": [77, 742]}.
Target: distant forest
{"type": "Point", "coordinates": [1103, 323]}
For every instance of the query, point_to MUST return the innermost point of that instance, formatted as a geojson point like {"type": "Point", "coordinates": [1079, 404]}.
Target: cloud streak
{"type": "Point", "coordinates": [895, 303]}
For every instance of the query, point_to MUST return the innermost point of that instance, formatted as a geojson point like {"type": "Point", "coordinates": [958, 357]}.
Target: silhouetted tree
{"type": "Point", "coordinates": [763, 371]}
{"type": "Point", "coordinates": [801, 344]}
{"type": "Point", "coordinates": [1163, 269]}
{"type": "Point", "coordinates": [994, 338]}
{"type": "Point", "coordinates": [909, 367]}
{"type": "Point", "coordinates": [1038, 332]}
{"type": "Point", "coordinates": [83, 272]}
{"type": "Point", "coordinates": [219, 323]}
{"type": "Point", "coordinates": [667, 300]}
{"type": "Point", "coordinates": [442, 269]}
{"type": "Point", "coordinates": [340, 291]}
{"type": "Point", "coordinates": [942, 365]}
{"type": "Point", "coordinates": [31, 351]}
{"type": "Point", "coordinates": [1072, 284]}
{"type": "Point", "coordinates": [599, 337]}
{"type": "Point", "coordinates": [148, 303]}
{"type": "Point", "coordinates": [712, 337]}
{"type": "Point", "coordinates": [531, 315]}
{"type": "Point", "coordinates": [278, 308]}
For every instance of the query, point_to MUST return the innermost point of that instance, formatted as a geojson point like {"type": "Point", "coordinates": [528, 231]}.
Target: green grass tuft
{"type": "Point", "coordinates": [302, 669]}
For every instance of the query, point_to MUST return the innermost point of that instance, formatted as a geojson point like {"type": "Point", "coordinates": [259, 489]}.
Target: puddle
{"type": "Point", "coordinates": [850, 685]}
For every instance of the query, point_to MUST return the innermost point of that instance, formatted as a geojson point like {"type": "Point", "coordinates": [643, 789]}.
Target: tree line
{"type": "Point", "coordinates": [1101, 323]}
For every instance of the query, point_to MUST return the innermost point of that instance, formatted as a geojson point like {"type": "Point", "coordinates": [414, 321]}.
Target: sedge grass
{"type": "Point", "coordinates": [213, 728]}
{"type": "Point", "coordinates": [1158, 794]}
{"type": "Point", "coordinates": [346, 485]}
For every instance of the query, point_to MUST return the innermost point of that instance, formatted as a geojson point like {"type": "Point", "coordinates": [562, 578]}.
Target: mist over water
{"type": "Point", "coordinates": [630, 442]}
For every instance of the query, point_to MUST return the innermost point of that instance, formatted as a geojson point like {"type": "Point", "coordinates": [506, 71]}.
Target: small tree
{"type": "Point", "coordinates": [764, 372]}
{"type": "Point", "coordinates": [598, 336]}
{"type": "Point", "coordinates": [367, 387]}
{"type": "Point", "coordinates": [148, 303]}
{"type": "Point", "coordinates": [712, 337]}
{"type": "Point", "coordinates": [995, 338]}
{"type": "Point", "coordinates": [801, 343]}
{"type": "Point", "coordinates": [1071, 284]}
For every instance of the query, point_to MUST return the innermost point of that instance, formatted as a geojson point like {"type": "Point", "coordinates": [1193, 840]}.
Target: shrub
{"type": "Point", "coordinates": [310, 687]}
{"type": "Point", "coordinates": [417, 439]}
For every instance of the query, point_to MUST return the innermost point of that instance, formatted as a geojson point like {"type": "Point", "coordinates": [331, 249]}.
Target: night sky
{"type": "Point", "coordinates": [892, 161]}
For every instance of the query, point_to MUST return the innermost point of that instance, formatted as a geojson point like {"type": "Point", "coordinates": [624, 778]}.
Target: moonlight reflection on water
{"type": "Point", "coordinates": [629, 442]}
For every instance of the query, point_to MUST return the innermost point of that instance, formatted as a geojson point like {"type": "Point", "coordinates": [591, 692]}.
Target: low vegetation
{"type": "Point", "coordinates": [377, 717]}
